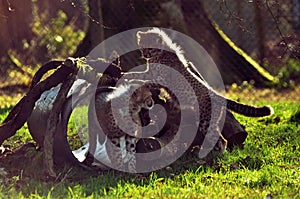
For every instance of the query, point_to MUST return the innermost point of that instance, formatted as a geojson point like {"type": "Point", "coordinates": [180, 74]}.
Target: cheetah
{"type": "Point", "coordinates": [120, 124]}
{"type": "Point", "coordinates": [211, 105]}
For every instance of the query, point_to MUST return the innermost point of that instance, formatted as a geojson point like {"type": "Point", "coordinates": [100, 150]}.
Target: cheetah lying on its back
{"type": "Point", "coordinates": [210, 104]}
{"type": "Point", "coordinates": [120, 124]}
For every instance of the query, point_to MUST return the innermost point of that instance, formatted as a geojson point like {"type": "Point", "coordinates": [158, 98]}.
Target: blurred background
{"type": "Point", "coordinates": [36, 31]}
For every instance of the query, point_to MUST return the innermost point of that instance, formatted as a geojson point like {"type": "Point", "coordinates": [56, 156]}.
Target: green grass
{"type": "Point", "coordinates": [267, 166]}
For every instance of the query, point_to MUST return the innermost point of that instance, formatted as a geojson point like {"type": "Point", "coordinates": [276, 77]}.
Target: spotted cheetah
{"type": "Point", "coordinates": [160, 51]}
{"type": "Point", "coordinates": [120, 124]}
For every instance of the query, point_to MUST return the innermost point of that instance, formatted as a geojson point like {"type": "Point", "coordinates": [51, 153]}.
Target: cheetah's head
{"type": "Point", "coordinates": [142, 97]}
{"type": "Point", "coordinates": [155, 41]}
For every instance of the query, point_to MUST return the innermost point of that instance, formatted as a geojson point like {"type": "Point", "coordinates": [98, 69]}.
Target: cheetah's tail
{"type": "Point", "coordinates": [250, 111]}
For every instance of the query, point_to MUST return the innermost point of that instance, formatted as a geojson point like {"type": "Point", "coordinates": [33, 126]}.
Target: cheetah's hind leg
{"type": "Point", "coordinates": [130, 157]}
{"type": "Point", "coordinates": [114, 152]}
{"type": "Point", "coordinates": [221, 144]}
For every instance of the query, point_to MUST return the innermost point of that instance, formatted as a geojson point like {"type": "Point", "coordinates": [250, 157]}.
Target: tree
{"type": "Point", "coordinates": [94, 33]}
{"type": "Point", "coordinates": [117, 16]}
{"type": "Point", "coordinates": [232, 63]}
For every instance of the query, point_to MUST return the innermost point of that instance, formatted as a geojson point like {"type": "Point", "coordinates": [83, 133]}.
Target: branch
{"type": "Point", "coordinates": [279, 30]}
{"type": "Point", "coordinates": [19, 114]}
{"type": "Point", "coordinates": [53, 121]}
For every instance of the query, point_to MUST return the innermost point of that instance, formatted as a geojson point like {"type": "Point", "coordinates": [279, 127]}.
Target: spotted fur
{"type": "Point", "coordinates": [121, 145]}
{"type": "Point", "coordinates": [211, 104]}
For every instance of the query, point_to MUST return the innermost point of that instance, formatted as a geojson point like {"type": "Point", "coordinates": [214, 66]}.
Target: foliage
{"type": "Point", "coordinates": [54, 38]}
{"type": "Point", "coordinates": [268, 166]}
{"type": "Point", "coordinates": [59, 38]}
{"type": "Point", "coordinates": [290, 73]}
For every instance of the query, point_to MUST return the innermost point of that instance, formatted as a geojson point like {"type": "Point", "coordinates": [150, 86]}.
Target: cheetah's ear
{"type": "Point", "coordinates": [139, 36]}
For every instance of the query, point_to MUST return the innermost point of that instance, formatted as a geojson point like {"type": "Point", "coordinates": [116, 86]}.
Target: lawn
{"type": "Point", "coordinates": [267, 167]}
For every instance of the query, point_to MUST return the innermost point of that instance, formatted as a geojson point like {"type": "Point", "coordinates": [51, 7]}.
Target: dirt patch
{"type": "Point", "coordinates": [26, 163]}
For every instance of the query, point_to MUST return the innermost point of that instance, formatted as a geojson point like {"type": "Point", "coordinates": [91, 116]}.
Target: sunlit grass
{"type": "Point", "coordinates": [267, 166]}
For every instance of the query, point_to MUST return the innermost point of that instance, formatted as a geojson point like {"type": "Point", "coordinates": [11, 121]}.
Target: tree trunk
{"type": "Point", "coordinates": [121, 15]}
{"type": "Point", "coordinates": [94, 34]}
{"type": "Point", "coordinates": [260, 31]}
{"type": "Point", "coordinates": [233, 66]}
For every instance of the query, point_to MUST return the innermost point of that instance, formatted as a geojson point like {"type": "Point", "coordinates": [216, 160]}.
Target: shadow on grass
{"type": "Point", "coordinates": [25, 173]}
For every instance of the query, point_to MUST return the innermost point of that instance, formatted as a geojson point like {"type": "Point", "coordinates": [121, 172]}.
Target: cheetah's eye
{"type": "Point", "coordinates": [149, 103]}
{"type": "Point", "coordinates": [134, 95]}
